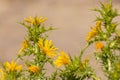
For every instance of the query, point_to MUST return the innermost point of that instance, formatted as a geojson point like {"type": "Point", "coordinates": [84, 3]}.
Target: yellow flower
{"type": "Point", "coordinates": [91, 34]}
{"type": "Point", "coordinates": [62, 59]}
{"type": "Point", "coordinates": [33, 69]}
{"type": "Point", "coordinates": [2, 75]}
{"type": "Point", "coordinates": [99, 45]}
{"type": "Point", "coordinates": [35, 21]}
{"type": "Point", "coordinates": [94, 31]}
{"type": "Point", "coordinates": [12, 66]}
{"type": "Point", "coordinates": [47, 47]}
{"type": "Point", "coordinates": [24, 46]}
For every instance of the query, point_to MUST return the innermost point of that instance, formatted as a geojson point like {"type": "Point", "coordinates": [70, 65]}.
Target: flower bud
{"type": "Point", "coordinates": [108, 6]}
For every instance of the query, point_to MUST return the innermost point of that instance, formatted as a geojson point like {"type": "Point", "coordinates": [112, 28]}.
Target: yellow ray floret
{"type": "Point", "coordinates": [33, 69]}
{"type": "Point", "coordinates": [29, 20]}
{"type": "Point", "coordinates": [47, 47]}
{"type": "Point", "coordinates": [35, 21]}
{"type": "Point", "coordinates": [12, 66]}
{"type": "Point", "coordinates": [62, 59]}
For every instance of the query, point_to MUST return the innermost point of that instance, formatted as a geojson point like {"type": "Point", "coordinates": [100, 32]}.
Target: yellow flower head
{"type": "Point", "coordinates": [12, 66]}
{"type": "Point", "coordinates": [47, 47]}
{"type": "Point", "coordinates": [2, 75]}
{"type": "Point", "coordinates": [35, 21]}
{"type": "Point", "coordinates": [62, 59]}
{"type": "Point", "coordinates": [24, 46]}
{"type": "Point", "coordinates": [92, 33]}
{"type": "Point", "coordinates": [99, 45]}
{"type": "Point", "coordinates": [33, 69]}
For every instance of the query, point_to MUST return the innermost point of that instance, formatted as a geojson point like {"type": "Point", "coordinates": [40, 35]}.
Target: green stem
{"type": "Point", "coordinates": [82, 51]}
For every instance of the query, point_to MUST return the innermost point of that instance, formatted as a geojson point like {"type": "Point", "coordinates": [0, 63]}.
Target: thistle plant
{"type": "Point", "coordinates": [105, 36]}
{"type": "Point", "coordinates": [37, 46]}
{"type": "Point", "coordinates": [40, 51]}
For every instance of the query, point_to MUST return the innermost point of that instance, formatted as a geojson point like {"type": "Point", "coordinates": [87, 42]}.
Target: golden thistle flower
{"type": "Point", "coordinates": [35, 21]}
{"type": "Point", "coordinates": [94, 31]}
{"type": "Point", "coordinates": [24, 46]}
{"type": "Point", "coordinates": [47, 47]}
{"type": "Point", "coordinates": [62, 59]}
{"type": "Point", "coordinates": [91, 34]}
{"type": "Point", "coordinates": [12, 66]}
{"type": "Point", "coordinates": [33, 69]}
{"type": "Point", "coordinates": [2, 75]}
{"type": "Point", "coordinates": [99, 45]}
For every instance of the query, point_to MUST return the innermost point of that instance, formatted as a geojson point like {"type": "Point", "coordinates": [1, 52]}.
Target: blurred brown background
{"type": "Point", "coordinates": [72, 17]}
